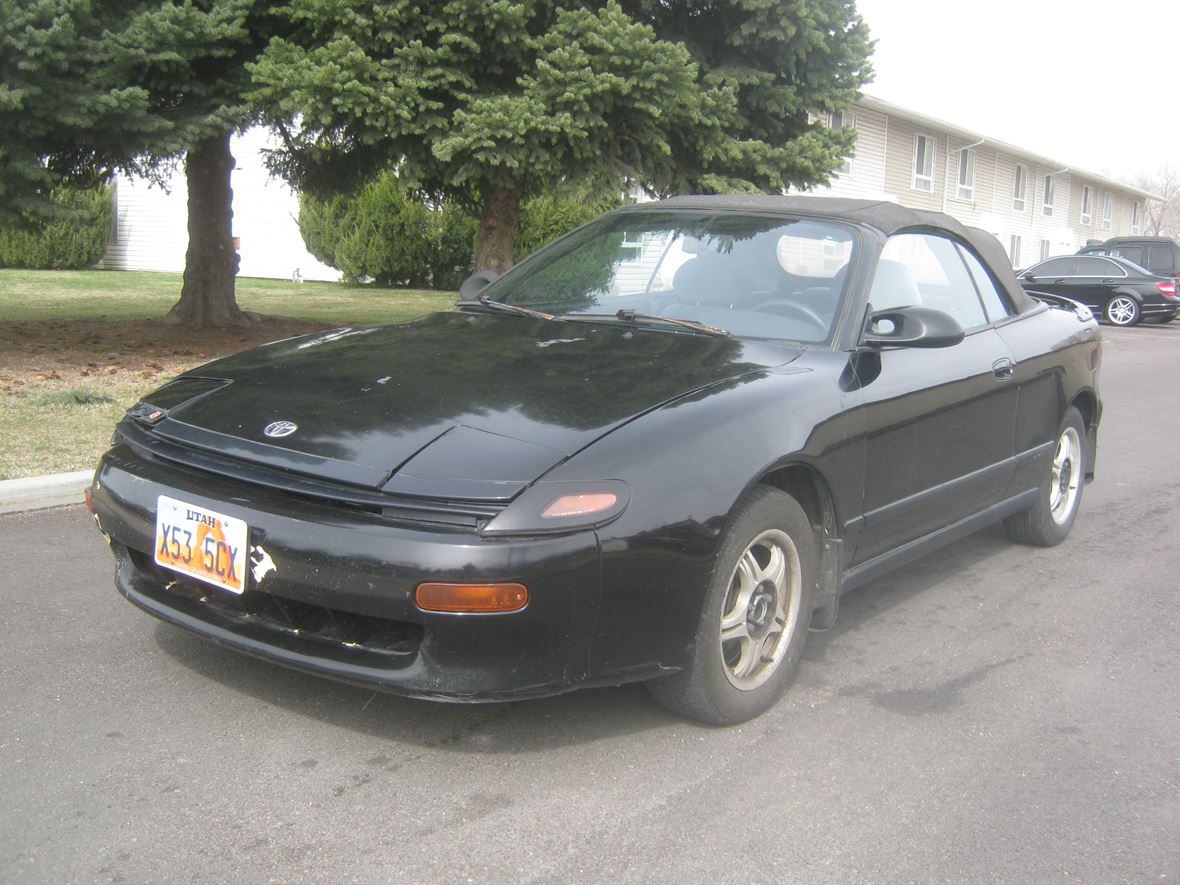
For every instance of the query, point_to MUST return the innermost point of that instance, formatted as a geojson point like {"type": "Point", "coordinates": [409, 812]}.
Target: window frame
{"type": "Point", "coordinates": [1046, 248]}
{"type": "Point", "coordinates": [1015, 248]}
{"type": "Point", "coordinates": [1107, 210]}
{"type": "Point", "coordinates": [932, 155]}
{"type": "Point", "coordinates": [1087, 207]}
{"type": "Point", "coordinates": [1048, 195]}
{"type": "Point", "coordinates": [847, 118]}
{"type": "Point", "coordinates": [1019, 186]}
{"type": "Point", "coordinates": [1134, 218]}
{"type": "Point", "coordinates": [966, 190]}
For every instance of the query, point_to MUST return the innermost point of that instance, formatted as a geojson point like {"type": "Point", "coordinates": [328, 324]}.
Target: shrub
{"type": "Point", "coordinates": [384, 235]}
{"type": "Point", "coordinates": [545, 218]}
{"type": "Point", "coordinates": [76, 239]}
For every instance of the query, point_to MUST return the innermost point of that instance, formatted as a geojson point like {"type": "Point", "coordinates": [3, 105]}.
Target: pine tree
{"type": "Point", "coordinates": [88, 88]}
{"type": "Point", "coordinates": [490, 101]}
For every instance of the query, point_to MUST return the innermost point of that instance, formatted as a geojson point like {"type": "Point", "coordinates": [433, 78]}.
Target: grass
{"type": "Point", "coordinates": [132, 295]}
{"type": "Point", "coordinates": [40, 433]}
{"type": "Point", "coordinates": [58, 409]}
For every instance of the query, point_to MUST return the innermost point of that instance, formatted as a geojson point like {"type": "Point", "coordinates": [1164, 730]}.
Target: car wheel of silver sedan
{"type": "Point", "coordinates": [1049, 521]}
{"type": "Point", "coordinates": [755, 617]}
{"type": "Point", "coordinates": [1122, 310]}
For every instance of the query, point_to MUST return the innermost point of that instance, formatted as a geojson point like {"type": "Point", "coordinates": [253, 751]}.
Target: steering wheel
{"type": "Point", "coordinates": [794, 309]}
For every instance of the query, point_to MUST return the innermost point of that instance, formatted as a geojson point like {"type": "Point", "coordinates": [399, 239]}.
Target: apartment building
{"type": "Point", "coordinates": [1034, 205]}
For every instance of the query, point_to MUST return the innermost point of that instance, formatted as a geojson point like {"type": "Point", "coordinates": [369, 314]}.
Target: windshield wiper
{"type": "Point", "coordinates": [501, 307]}
{"type": "Point", "coordinates": [630, 316]}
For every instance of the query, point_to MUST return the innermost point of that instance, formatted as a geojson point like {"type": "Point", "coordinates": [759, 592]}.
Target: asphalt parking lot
{"type": "Point", "coordinates": [993, 713]}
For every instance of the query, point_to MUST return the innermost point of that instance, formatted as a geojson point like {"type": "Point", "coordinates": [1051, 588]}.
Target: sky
{"type": "Point", "coordinates": [1094, 85]}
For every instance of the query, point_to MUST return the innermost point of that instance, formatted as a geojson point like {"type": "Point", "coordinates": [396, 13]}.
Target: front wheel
{"type": "Point", "coordinates": [1047, 523]}
{"type": "Point", "coordinates": [1122, 310]}
{"type": "Point", "coordinates": [755, 618]}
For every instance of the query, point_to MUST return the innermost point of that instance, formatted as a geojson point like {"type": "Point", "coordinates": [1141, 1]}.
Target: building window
{"type": "Point", "coordinates": [923, 163]}
{"type": "Point", "coordinates": [967, 174]}
{"type": "Point", "coordinates": [838, 120]}
{"type": "Point", "coordinates": [1044, 249]}
{"type": "Point", "coordinates": [1019, 184]}
{"type": "Point", "coordinates": [1134, 219]}
{"type": "Point", "coordinates": [1107, 210]}
{"type": "Point", "coordinates": [1014, 247]}
{"type": "Point", "coordinates": [1049, 193]}
{"type": "Point", "coordinates": [1087, 204]}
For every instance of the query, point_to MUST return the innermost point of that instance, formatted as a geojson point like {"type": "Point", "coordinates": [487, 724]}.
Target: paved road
{"type": "Point", "coordinates": [994, 713]}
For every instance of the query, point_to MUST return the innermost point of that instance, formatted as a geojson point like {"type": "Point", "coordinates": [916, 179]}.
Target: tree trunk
{"type": "Point", "coordinates": [211, 262]}
{"type": "Point", "coordinates": [497, 227]}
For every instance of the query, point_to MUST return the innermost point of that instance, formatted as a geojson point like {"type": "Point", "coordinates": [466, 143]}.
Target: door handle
{"type": "Point", "coordinates": [1003, 369]}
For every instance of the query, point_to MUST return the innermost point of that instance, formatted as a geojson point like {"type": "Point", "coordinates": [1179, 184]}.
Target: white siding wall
{"type": "Point", "coordinates": [151, 222]}
{"type": "Point", "coordinates": [867, 179]}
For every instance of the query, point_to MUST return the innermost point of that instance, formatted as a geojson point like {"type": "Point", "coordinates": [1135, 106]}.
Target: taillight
{"type": "Point", "coordinates": [1168, 289]}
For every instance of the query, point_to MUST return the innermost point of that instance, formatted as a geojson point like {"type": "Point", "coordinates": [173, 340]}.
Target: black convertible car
{"type": "Point", "coordinates": [658, 449]}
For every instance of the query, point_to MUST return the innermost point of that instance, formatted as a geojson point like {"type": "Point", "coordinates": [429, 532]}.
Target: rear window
{"type": "Point", "coordinates": [1161, 259]}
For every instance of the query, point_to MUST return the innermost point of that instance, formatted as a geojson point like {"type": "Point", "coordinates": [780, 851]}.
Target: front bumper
{"type": "Point", "coordinates": [340, 600]}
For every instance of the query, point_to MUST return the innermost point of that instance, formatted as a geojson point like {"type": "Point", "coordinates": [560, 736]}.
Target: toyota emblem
{"type": "Point", "coordinates": [276, 429]}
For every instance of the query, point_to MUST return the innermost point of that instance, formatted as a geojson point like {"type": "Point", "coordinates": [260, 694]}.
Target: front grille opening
{"type": "Point", "coordinates": [293, 618]}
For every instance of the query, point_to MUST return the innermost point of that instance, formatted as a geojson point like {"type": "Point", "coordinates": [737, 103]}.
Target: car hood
{"type": "Point", "coordinates": [457, 405]}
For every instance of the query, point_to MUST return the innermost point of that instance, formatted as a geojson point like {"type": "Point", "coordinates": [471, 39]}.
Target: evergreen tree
{"type": "Point", "coordinates": [490, 101]}
{"type": "Point", "coordinates": [90, 87]}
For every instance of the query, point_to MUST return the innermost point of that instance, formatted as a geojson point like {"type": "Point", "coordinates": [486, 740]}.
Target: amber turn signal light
{"type": "Point", "coordinates": [475, 599]}
{"type": "Point", "coordinates": [579, 505]}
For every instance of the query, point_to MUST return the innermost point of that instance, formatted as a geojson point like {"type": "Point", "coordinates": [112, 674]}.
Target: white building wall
{"type": "Point", "coordinates": [883, 168]}
{"type": "Point", "coordinates": [151, 222]}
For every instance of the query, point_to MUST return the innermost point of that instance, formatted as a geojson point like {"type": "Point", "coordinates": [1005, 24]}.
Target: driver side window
{"type": "Point", "coordinates": [923, 269]}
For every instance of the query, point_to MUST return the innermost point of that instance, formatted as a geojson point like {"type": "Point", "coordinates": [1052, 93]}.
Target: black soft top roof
{"type": "Point", "coordinates": [888, 218]}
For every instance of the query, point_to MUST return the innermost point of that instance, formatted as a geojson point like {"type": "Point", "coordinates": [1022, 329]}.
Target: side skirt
{"type": "Point", "coordinates": [861, 574]}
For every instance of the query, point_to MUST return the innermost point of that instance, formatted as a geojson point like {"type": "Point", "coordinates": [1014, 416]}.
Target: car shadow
{"type": "Point", "coordinates": [573, 719]}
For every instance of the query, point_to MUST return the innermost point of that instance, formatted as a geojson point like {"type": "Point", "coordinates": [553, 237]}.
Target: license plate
{"type": "Point", "coordinates": [201, 543]}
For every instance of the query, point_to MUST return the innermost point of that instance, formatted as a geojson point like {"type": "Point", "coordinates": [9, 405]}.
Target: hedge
{"type": "Point", "coordinates": [77, 240]}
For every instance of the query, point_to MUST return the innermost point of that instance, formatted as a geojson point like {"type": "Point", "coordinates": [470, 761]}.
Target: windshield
{"type": "Point", "coordinates": [750, 275]}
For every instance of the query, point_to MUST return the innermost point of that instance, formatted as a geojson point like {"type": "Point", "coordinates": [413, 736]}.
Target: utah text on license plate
{"type": "Point", "coordinates": [201, 543]}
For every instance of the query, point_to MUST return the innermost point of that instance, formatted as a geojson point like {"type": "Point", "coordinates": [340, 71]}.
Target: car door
{"type": "Point", "coordinates": [1054, 275]}
{"type": "Point", "coordinates": [938, 423]}
{"type": "Point", "coordinates": [1094, 281]}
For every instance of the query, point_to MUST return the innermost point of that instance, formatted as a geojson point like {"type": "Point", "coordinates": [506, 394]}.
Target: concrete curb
{"type": "Point", "coordinates": [39, 492]}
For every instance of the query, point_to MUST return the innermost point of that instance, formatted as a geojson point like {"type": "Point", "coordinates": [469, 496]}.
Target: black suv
{"type": "Point", "coordinates": [1160, 255]}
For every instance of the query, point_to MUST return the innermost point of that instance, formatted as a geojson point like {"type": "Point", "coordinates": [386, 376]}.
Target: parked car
{"type": "Point", "coordinates": [1159, 255]}
{"type": "Point", "coordinates": [659, 449]}
{"type": "Point", "coordinates": [1115, 288]}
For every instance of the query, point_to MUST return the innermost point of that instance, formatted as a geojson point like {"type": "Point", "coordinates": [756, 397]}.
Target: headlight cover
{"type": "Point", "coordinates": [555, 507]}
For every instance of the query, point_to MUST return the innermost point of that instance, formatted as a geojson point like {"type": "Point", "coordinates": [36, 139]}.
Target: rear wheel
{"type": "Point", "coordinates": [755, 618]}
{"type": "Point", "coordinates": [1122, 310]}
{"type": "Point", "coordinates": [1047, 523]}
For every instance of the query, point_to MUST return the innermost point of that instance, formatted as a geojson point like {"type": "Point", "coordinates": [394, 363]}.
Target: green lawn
{"type": "Point", "coordinates": [128, 295]}
{"type": "Point", "coordinates": [57, 413]}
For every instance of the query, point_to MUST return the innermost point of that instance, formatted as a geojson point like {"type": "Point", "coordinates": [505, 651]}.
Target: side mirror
{"type": "Point", "coordinates": [911, 327]}
{"type": "Point", "coordinates": [1027, 276]}
{"type": "Point", "coordinates": [476, 283]}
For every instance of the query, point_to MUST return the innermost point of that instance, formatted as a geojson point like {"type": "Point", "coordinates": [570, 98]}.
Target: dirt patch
{"type": "Point", "coordinates": [83, 352]}
{"type": "Point", "coordinates": [64, 384]}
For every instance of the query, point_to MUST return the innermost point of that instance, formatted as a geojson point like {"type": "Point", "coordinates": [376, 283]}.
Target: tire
{"type": "Point", "coordinates": [764, 575]}
{"type": "Point", "coordinates": [1048, 522]}
{"type": "Point", "coordinates": [1122, 310]}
